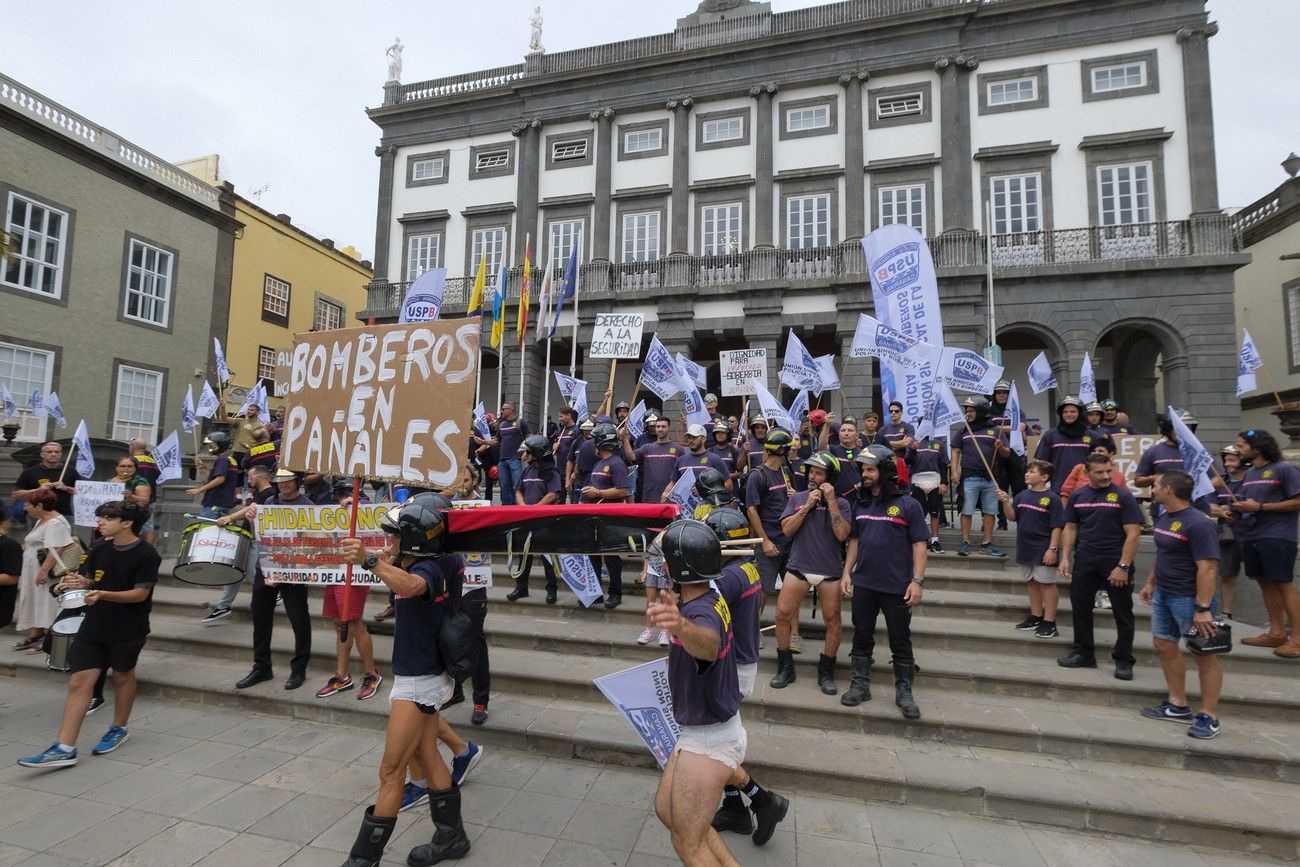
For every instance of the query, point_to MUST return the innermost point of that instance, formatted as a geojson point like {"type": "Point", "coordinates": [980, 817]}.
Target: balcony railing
{"type": "Point", "coordinates": [1201, 236]}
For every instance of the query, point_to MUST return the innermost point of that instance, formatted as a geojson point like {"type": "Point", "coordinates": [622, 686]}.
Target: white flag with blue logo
{"type": "Point", "coordinates": [481, 429]}
{"type": "Point", "coordinates": [874, 339]}
{"type": "Point", "coordinates": [85, 457]}
{"type": "Point", "coordinates": [1087, 381]}
{"type": "Point", "coordinates": [1013, 418]}
{"type": "Point", "coordinates": [1249, 361]}
{"type": "Point", "coordinates": [209, 403]}
{"type": "Point", "coordinates": [941, 414]}
{"type": "Point", "coordinates": [263, 403]}
{"type": "Point", "coordinates": [574, 391]}
{"type": "Point", "coordinates": [54, 407]}
{"type": "Point", "coordinates": [577, 572]}
{"type": "Point", "coordinates": [250, 400]}
{"type": "Point", "coordinates": [641, 694]}
{"type": "Point", "coordinates": [187, 409]}
{"type": "Point", "coordinates": [636, 418]}
{"type": "Point", "coordinates": [964, 370]}
{"type": "Point", "coordinates": [424, 299]}
{"type": "Point", "coordinates": [799, 408]}
{"type": "Point", "coordinates": [696, 411]}
{"type": "Point", "coordinates": [683, 491]}
{"type": "Point", "coordinates": [830, 380]}
{"type": "Point", "coordinates": [1196, 460]}
{"type": "Point", "coordinates": [691, 371]}
{"type": "Point", "coordinates": [167, 454]}
{"type": "Point", "coordinates": [1041, 377]}
{"type": "Point", "coordinates": [800, 369]}
{"type": "Point", "coordinates": [775, 414]}
{"type": "Point", "coordinates": [36, 403]}
{"type": "Point", "coordinates": [223, 372]}
{"type": "Point", "coordinates": [659, 371]}
{"type": "Point", "coordinates": [11, 408]}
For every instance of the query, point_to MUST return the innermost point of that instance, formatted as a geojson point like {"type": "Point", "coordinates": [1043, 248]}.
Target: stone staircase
{"type": "Point", "coordinates": [1004, 731]}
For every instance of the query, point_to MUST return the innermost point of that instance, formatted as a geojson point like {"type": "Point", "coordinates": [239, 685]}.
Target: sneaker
{"type": "Point", "coordinates": [936, 546]}
{"type": "Point", "coordinates": [990, 550]}
{"type": "Point", "coordinates": [112, 739]}
{"type": "Point", "coordinates": [95, 704]}
{"type": "Point", "coordinates": [1103, 599]}
{"type": "Point", "coordinates": [479, 716]}
{"type": "Point", "coordinates": [796, 643]}
{"type": "Point", "coordinates": [1203, 727]}
{"type": "Point", "coordinates": [216, 615]}
{"type": "Point", "coordinates": [51, 758]}
{"type": "Point", "coordinates": [647, 635]}
{"type": "Point", "coordinates": [1046, 629]}
{"type": "Point", "coordinates": [1167, 710]}
{"type": "Point", "coordinates": [462, 765]}
{"type": "Point", "coordinates": [413, 796]}
{"type": "Point", "coordinates": [664, 638]}
{"type": "Point", "coordinates": [1030, 622]}
{"type": "Point", "coordinates": [369, 686]}
{"type": "Point", "coordinates": [963, 549]}
{"type": "Point", "coordinates": [335, 684]}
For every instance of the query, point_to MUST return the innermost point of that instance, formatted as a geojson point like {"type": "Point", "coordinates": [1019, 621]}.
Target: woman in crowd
{"type": "Point", "coordinates": [36, 607]}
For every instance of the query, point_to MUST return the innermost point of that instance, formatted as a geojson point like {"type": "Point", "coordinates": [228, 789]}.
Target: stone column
{"type": "Point", "coordinates": [384, 213]}
{"type": "Point", "coordinates": [763, 163]}
{"type": "Point", "coordinates": [954, 119]}
{"type": "Point", "coordinates": [528, 169]}
{"type": "Point", "coordinates": [1200, 116]}
{"type": "Point", "coordinates": [681, 203]}
{"type": "Point", "coordinates": [604, 120]}
{"type": "Point", "coordinates": [855, 214]}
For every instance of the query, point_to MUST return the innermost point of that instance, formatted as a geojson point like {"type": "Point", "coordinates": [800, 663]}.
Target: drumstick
{"type": "Point", "coordinates": [347, 576]}
{"type": "Point", "coordinates": [737, 542]}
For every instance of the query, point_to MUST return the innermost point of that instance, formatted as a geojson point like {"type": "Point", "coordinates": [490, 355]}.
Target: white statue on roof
{"type": "Point", "coordinates": [394, 55]}
{"type": "Point", "coordinates": [535, 40]}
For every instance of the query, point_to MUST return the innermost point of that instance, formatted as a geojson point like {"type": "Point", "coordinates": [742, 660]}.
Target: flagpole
{"type": "Point", "coordinates": [546, 386]}
{"type": "Point", "coordinates": [72, 450]}
{"type": "Point", "coordinates": [577, 281]}
{"type": "Point", "coordinates": [988, 255]}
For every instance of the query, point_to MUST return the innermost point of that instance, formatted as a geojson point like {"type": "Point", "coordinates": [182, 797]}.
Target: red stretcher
{"type": "Point", "coordinates": [586, 528]}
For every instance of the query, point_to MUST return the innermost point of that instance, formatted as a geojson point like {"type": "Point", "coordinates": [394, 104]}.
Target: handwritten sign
{"type": "Point", "coordinates": [1129, 449]}
{"type": "Point", "coordinates": [617, 335]}
{"type": "Point", "coordinates": [300, 544]}
{"type": "Point", "coordinates": [283, 370]}
{"type": "Point", "coordinates": [90, 496]}
{"type": "Point", "coordinates": [388, 402]}
{"type": "Point", "coordinates": [740, 369]}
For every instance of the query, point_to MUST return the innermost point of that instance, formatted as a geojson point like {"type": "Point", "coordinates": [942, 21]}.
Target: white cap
{"type": "Point", "coordinates": [695, 430]}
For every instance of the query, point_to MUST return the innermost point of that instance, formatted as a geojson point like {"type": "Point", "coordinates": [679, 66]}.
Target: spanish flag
{"type": "Point", "coordinates": [476, 294]}
{"type": "Point", "coordinates": [499, 309]}
{"type": "Point", "coordinates": [521, 327]}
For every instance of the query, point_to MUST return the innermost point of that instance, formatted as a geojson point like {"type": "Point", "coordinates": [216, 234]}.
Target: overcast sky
{"type": "Point", "coordinates": [279, 88]}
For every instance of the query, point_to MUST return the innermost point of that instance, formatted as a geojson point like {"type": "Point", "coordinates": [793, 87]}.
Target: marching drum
{"type": "Point", "coordinates": [61, 635]}
{"type": "Point", "coordinates": [213, 556]}
{"type": "Point", "coordinates": [927, 481]}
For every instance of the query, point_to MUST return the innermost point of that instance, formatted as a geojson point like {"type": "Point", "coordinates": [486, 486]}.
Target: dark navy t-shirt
{"type": "Point", "coordinates": [894, 433]}
{"type": "Point", "coordinates": [1182, 538]}
{"type": "Point", "coordinates": [1271, 483]}
{"type": "Point", "coordinates": [658, 463]}
{"type": "Point", "coordinates": [564, 445]}
{"type": "Point", "coordinates": [814, 548]}
{"type": "Point", "coordinates": [728, 454]}
{"type": "Point", "coordinates": [768, 491]}
{"type": "Point", "coordinates": [538, 480]}
{"type": "Point", "coordinates": [1038, 513]}
{"type": "Point", "coordinates": [1102, 514]}
{"type": "Point", "coordinates": [1162, 456]}
{"type": "Point", "coordinates": [931, 457]}
{"type": "Point", "coordinates": [983, 441]}
{"type": "Point", "coordinates": [704, 693]}
{"type": "Point", "coordinates": [705, 459]}
{"type": "Point", "coordinates": [1064, 453]}
{"type": "Point", "coordinates": [886, 528]}
{"type": "Point", "coordinates": [850, 475]}
{"type": "Point", "coordinates": [222, 496]}
{"type": "Point", "coordinates": [419, 618]}
{"type": "Point", "coordinates": [607, 472]}
{"type": "Point", "coordinates": [739, 584]}
{"type": "Point", "coordinates": [583, 461]}
{"type": "Point", "coordinates": [510, 434]}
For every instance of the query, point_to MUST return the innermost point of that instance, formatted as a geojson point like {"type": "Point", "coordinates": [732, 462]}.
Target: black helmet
{"type": "Point", "coordinates": [1109, 404]}
{"type": "Point", "coordinates": [826, 461]}
{"type": "Point", "coordinates": [711, 484]}
{"type": "Point", "coordinates": [777, 442]}
{"type": "Point", "coordinates": [216, 442]}
{"type": "Point", "coordinates": [721, 427]}
{"type": "Point", "coordinates": [980, 404]}
{"type": "Point", "coordinates": [692, 554]}
{"type": "Point", "coordinates": [1101, 439]}
{"type": "Point", "coordinates": [604, 436]}
{"type": "Point", "coordinates": [1069, 400]}
{"type": "Point", "coordinates": [756, 419]}
{"type": "Point", "coordinates": [536, 445]}
{"type": "Point", "coordinates": [727, 523]}
{"type": "Point", "coordinates": [882, 457]}
{"type": "Point", "coordinates": [420, 524]}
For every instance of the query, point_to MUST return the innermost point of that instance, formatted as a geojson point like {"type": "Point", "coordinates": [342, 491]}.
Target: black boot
{"type": "Point", "coordinates": [613, 601]}
{"type": "Point", "coordinates": [860, 686]}
{"type": "Point", "coordinates": [826, 674]}
{"type": "Point", "coordinates": [769, 809]}
{"type": "Point", "coordinates": [371, 840]}
{"type": "Point", "coordinates": [733, 816]}
{"type": "Point", "coordinates": [784, 670]}
{"type": "Point", "coordinates": [903, 674]}
{"type": "Point", "coordinates": [449, 841]}
{"type": "Point", "coordinates": [520, 591]}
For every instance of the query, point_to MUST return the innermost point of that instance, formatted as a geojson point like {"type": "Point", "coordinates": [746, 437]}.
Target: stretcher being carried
{"type": "Point", "coordinates": [584, 528]}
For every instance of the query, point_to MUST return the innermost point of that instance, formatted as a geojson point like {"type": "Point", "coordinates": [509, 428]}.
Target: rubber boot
{"type": "Point", "coordinates": [826, 674]}
{"type": "Point", "coordinates": [733, 816]}
{"type": "Point", "coordinates": [860, 686]}
{"type": "Point", "coordinates": [371, 840]}
{"type": "Point", "coordinates": [768, 811]}
{"type": "Point", "coordinates": [904, 672]}
{"type": "Point", "coordinates": [784, 670]}
{"type": "Point", "coordinates": [449, 841]}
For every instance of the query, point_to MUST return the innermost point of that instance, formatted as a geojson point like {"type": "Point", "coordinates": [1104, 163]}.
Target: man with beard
{"type": "Point", "coordinates": [696, 456]}
{"type": "Point", "coordinates": [1066, 445]}
{"type": "Point", "coordinates": [657, 460]}
{"type": "Point", "coordinates": [1111, 421]}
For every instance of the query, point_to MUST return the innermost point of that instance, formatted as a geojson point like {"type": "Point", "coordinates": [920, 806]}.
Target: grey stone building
{"type": "Point", "coordinates": [118, 273]}
{"type": "Point", "coordinates": [719, 179]}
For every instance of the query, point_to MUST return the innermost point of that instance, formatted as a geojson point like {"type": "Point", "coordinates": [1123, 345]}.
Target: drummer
{"type": "Point", "coordinates": [120, 574]}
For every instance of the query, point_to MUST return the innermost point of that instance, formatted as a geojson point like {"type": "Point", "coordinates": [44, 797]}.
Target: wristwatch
{"type": "Point", "coordinates": [371, 561]}
{"type": "Point", "coordinates": [919, 580]}
{"type": "Point", "coordinates": [1054, 550]}
{"type": "Point", "coordinates": [1203, 609]}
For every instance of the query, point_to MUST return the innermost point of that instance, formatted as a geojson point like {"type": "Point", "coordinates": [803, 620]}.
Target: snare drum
{"type": "Point", "coordinates": [213, 556]}
{"type": "Point", "coordinates": [61, 635]}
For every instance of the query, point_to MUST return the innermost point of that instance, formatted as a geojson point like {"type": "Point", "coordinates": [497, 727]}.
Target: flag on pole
{"type": "Point", "coordinates": [968, 371]}
{"type": "Point", "coordinates": [263, 403]}
{"type": "Point", "coordinates": [659, 371]}
{"type": "Point", "coordinates": [85, 457]}
{"type": "Point", "coordinates": [826, 371]}
{"type": "Point", "coordinates": [1196, 459]}
{"type": "Point", "coordinates": [11, 408]}
{"type": "Point", "coordinates": [480, 285]}
{"type": "Point", "coordinates": [574, 391]}
{"type": "Point", "coordinates": [525, 287]}
{"type": "Point", "coordinates": [167, 455]}
{"type": "Point", "coordinates": [55, 408]}
{"type": "Point", "coordinates": [874, 339]}
{"type": "Point", "coordinates": [941, 414]}
{"type": "Point", "coordinates": [499, 308]}
{"type": "Point", "coordinates": [1041, 377]}
{"type": "Point", "coordinates": [223, 372]}
{"type": "Point", "coordinates": [209, 403]}
{"type": "Point", "coordinates": [250, 400]}
{"type": "Point", "coordinates": [800, 369]}
{"type": "Point", "coordinates": [187, 409]}
{"type": "Point", "coordinates": [1013, 418]}
{"type": "Point", "coordinates": [568, 287]}
{"type": "Point", "coordinates": [542, 329]}
{"type": "Point", "coordinates": [1250, 361]}
{"type": "Point", "coordinates": [1087, 381]}
{"type": "Point", "coordinates": [691, 372]}
{"type": "Point", "coordinates": [696, 412]}
{"type": "Point", "coordinates": [799, 408]}
{"type": "Point", "coordinates": [36, 403]}
{"type": "Point", "coordinates": [636, 418]}
{"type": "Point", "coordinates": [423, 300]}
{"type": "Point", "coordinates": [481, 429]}
{"type": "Point", "coordinates": [683, 491]}
{"type": "Point", "coordinates": [775, 414]}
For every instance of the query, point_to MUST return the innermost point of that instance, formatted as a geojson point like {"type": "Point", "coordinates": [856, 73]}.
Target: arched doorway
{"type": "Point", "coordinates": [1021, 342]}
{"type": "Point", "coordinates": [1142, 365]}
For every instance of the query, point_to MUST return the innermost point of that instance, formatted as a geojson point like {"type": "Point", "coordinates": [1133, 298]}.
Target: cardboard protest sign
{"type": "Point", "coordinates": [390, 402]}
{"type": "Point", "coordinates": [1128, 451]}
{"type": "Point", "coordinates": [616, 335]}
{"type": "Point", "coordinates": [641, 694]}
{"type": "Point", "coordinates": [90, 496]}
{"type": "Point", "coordinates": [283, 370]}
{"type": "Point", "coordinates": [300, 544]}
{"type": "Point", "coordinates": [739, 369]}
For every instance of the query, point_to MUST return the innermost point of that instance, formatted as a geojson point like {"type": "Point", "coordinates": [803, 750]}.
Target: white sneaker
{"type": "Point", "coordinates": [647, 635]}
{"type": "Point", "coordinates": [663, 637]}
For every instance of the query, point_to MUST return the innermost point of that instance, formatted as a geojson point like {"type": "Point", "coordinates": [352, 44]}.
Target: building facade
{"type": "Point", "coordinates": [719, 179]}
{"type": "Point", "coordinates": [117, 277]}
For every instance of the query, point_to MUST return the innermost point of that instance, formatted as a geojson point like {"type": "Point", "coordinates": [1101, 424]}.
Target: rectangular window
{"type": "Point", "coordinates": [1121, 76]}
{"type": "Point", "coordinates": [899, 105]}
{"type": "Point", "coordinates": [569, 151]}
{"type": "Point", "coordinates": [148, 284]}
{"type": "Point", "coordinates": [38, 235]}
{"type": "Point", "coordinates": [641, 237]}
{"type": "Point", "coordinates": [325, 316]}
{"type": "Point", "coordinates": [723, 129]}
{"type": "Point", "coordinates": [135, 413]}
{"type": "Point", "coordinates": [489, 244]}
{"type": "Point", "coordinates": [266, 363]}
{"type": "Point", "coordinates": [493, 159]}
{"type": "Point", "coordinates": [902, 204]}
{"type": "Point", "coordinates": [1013, 91]}
{"type": "Point", "coordinates": [422, 253]}
{"type": "Point", "coordinates": [1124, 194]}
{"type": "Point", "coordinates": [1017, 206]}
{"type": "Point", "coordinates": [24, 370]}
{"type": "Point", "coordinates": [720, 229]}
{"type": "Point", "coordinates": [430, 169]}
{"type": "Point", "coordinates": [1292, 296]}
{"type": "Point", "coordinates": [565, 234]}
{"type": "Point", "coordinates": [275, 300]}
{"type": "Point", "coordinates": [807, 118]}
{"type": "Point", "coordinates": [642, 140]}
{"type": "Point", "coordinates": [808, 221]}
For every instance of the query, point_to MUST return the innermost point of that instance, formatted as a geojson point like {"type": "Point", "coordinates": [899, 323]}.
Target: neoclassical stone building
{"type": "Point", "coordinates": [720, 177]}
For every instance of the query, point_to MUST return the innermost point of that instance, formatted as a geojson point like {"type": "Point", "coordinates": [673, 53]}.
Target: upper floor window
{"type": "Point", "coordinates": [266, 363]}
{"type": "Point", "coordinates": [1124, 194]}
{"type": "Point", "coordinates": [325, 316]}
{"type": "Point", "coordinates": [1017, 203]}
{"type": "Point", "coordinates": [429, 169]}
{"type": "Point", "coordinates": [38, 238]}
{"type": "Point", "coordinates": [904, 203]}
{"type": "Point", "coordinates": [569, 150]}
{"type": "Point", "coordinates": [23, 370]}
{"type": "Point", "coordinates": [1123, 76]}
{"type": "Point", "coordinates": [488, 245]}
{"type": "Point", "coordinates": [148, 284]}
{"type": "Point", "coordinates": [423, 252]}
{"type": "Point", "coordinates": [641, 236]}
{"type": "Point", "coordinates": [492, 160]}
{"type": "Point", "coordinates": [900, 105]}
{"type": "Point", "coordinates": [723, 129]}
{"type": "Point", "coordinates": [808, 221]}
{"type": "Point", "coordinates": [1014, 91]}
{"type": "Point", "coordinates": [1120, 75]}
{"type": "Point", "coordinates": [808, 118]}
{"type": "Point", "coordinates": [135, 411]}
{"type": "Point", "coordinates": [496, 159]}
{"type": "Point", "coordinates": [565, 236]}
{"type": "Point", "coordinates": [640, 141]}
{"type": "Point", "coordinates": [275, 300]}
{"type": "Point", "coordinates": [720, 228]}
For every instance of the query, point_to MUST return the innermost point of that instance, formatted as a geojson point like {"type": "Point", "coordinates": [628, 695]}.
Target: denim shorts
{"type": "Point", "coordinates": [978, 492]}
{"type": "Point", "coordinates": [1269, 559]}
{"type": "Point", "coordinates": [1171, 616]}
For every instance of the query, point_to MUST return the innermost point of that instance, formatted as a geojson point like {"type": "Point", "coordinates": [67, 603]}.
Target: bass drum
{"type": "Point", "coordinates": [61, 635]}
{"type": "Point", "coordinates": [213, 556]}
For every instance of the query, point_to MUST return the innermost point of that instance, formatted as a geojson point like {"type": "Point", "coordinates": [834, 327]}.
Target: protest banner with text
{"type": "Point", "coordinates": [740, 369]}
{"type": "Point", "coordinates": [90, 496]}
{"type": "Point", "coordinates": [616, 335]}
{"type": "Point", "coordinates": [300, 544]}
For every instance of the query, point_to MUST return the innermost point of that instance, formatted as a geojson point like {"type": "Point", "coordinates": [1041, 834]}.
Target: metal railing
{"type": "Point", "coordinates": [1201, 236]}
{"type": "Point", "coordinates": [67, 122]}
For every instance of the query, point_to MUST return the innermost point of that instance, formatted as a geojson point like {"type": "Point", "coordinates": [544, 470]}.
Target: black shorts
{"type": "Point", "coordinates": [931, 502]}
{"type": "Point", "coordinates": [1271, 560]}
{"type": "Point", "coordinates": [121, 656]}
